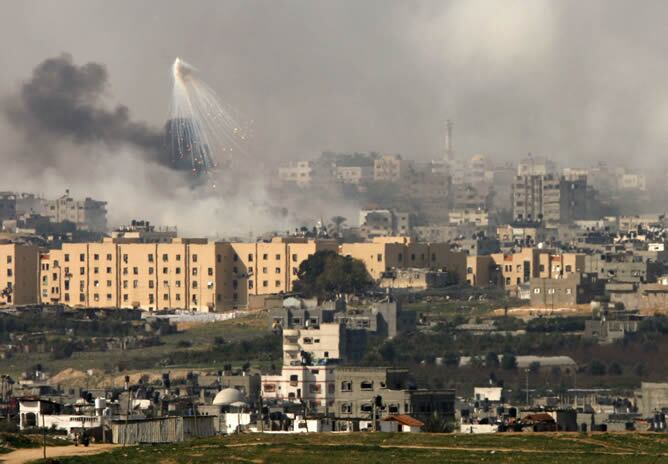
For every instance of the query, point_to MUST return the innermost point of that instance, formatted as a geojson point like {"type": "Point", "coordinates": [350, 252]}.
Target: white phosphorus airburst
{"type": "Point", "coordinates": [201, 132]}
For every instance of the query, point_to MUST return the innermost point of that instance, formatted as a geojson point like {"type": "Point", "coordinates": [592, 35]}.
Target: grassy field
{"type": "Point", "coordinates": [199, 337]}
{"type": "Point", "coordinates": [385, 448]}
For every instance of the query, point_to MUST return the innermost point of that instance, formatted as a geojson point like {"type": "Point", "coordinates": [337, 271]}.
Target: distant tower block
{"type": "Point", "coordinates": [449, 154]}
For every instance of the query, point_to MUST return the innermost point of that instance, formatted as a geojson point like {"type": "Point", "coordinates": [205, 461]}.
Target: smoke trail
{"type": "Point", "coordinates": [62, 99]}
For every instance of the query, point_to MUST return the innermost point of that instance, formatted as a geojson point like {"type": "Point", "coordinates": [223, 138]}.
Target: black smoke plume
{"type": "Point", "coordinates": [63, 100]}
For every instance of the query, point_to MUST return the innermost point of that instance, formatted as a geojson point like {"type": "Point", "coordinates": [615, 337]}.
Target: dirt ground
{"type": "Point", "coordinates": [32, 454]}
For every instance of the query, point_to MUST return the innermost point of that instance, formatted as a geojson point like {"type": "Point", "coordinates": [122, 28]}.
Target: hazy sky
{"type": "Point", "coordinates": [577, 80]}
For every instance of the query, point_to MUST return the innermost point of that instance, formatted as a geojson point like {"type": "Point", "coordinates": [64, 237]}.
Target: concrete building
{"type": "Point", "coordinates": [390, 168]}
{"type": "Point", "coordinates": [570, 291]}
{"type": "Point", "coordinates": [478, 217]}
{"type": "Point", "coordinates": [87, 214]}
{"type": "Point", "coordinates": [652, 398]}
{"type": "Point", "coordinates": [354, 175]}
{"type": "Point", "coordinates": [192, 274]}
{"type": "Point", "coordinates": [549, 199]}
{"type": "Point", "coordinates": [388, 253]}
{"type": "Point", "coordinates": [19, 274]}
{"type": "Point", "coordinates": [358, 389]}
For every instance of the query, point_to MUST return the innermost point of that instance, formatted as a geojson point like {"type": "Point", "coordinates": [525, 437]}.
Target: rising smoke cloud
{"type": "Point", "coordinates": [64, 100]}
{"type": "Point", "coordinates": [71, 139]}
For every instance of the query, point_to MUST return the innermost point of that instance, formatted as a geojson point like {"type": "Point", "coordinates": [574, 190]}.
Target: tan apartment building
{"type": "Point", "coordinates": [19, 273]}
{"type": "Point", "coordinates": [519, 268]}
{"type": "Point", "coordinates": [389, 168]}
{"type": "Point", "coordinates": [192, 274]}
{"type": "Point", "coordinates": [387, 253]}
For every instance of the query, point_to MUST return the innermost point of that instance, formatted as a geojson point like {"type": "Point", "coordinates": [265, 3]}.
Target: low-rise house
{"type": "Point", "coordinates": [401, 423]}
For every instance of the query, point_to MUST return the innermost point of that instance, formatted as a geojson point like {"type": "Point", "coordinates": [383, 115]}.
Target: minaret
{"type": "Point", "coordinates": [449, 154]}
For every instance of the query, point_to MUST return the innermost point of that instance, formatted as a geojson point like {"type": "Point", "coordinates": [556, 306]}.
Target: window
{"type": "Point", "coordinates": [278, 270]}
{"type": "Point", "coordinates": [265, 283]}
{"type": "Point", "coordinates": [125, 258]}
{"type": "Point", "coordinates": [265, 256]}
{"type": "Point", "coordinates": [96, 283]}
{"type": "Point", "coordinates": [315, 388]}
{"type": "Point", "coordinates": [177, 284]}
{"type": "Point", "coordinates": [219, 258]}
{"type": "Point", "coordinates": [82, 271]}
{"type": "Point", "coordinates": [96, 257]}
{"type": "Point", "coordinates": [569, 268]}
{"type": "Point", "coordinates": [278, 257]}
{"type": "Point", "coordinates": [277, 283]}
{"type": "Point", "coordinates": [67, 297]}
{"type": "Point", "coordinates": [165, 270]}
{"type": "Point", "coordinates": [135, 284]}
{"type": "Point", "coordinates": [108, 296]}
{"type": "Point", "coordinates": [235, 258]}
{"type": "Point", "coordinates": [194, 258]}
{"type": "Point", "coordinates": [346, 408]}
{"type": "Point", "coordinates": [125, 271]}
{"type": "Point", "coordinates": [151, 284]}
{"type": "Point", "coordinates": [295, 271]}
{"type": "Point", "coordinates": [9, 272]}
{"type": "Point", "coordinates": [379, 257]}
{"type": "Point", "coordinates": [82, 298]}
{"type": "Point", "coordinates": [135, 270]}
{"type": "Point", "coordinates": [178, 297]}
{"type": "Point", "coordinates": [536, 291]}
{"type": "Point", "coordinates": [366, 407]}
{"type": "Point", "coordinates": [108, 256]}
{"type": "Point", "coordinates": [265, 270]}
{"type": "Point", "coordinates": [235, 283]}
{"type": "Point", "coordinates": [165, 257]}
{"type": "Point", "coordinates": [269, 387]}
{"type": "Point", "coordinates": [67, 257]}
{"type": "Point", "coordinates": [294, 258]}
{"type": "Point", "coordinates": [150, 271]}
{"type": "Point", "coordinates": [347, 386]}
{"type": "Point", "coordinates": [194, 271]}
{"type": "Point", "coordinates": [108, 270]}
{"type": "Point", "coordinates": [366, 385]}
{"type": "Point", "coordinates": [108, 283]}
{"type": "Point", "coordinates": [177, 270]}
{"type": "Point", "coordinates": [150, 257]}
{"type": "Point", "coordinates": [194, 284]}
{"type": "Point", "coordinates": [250, 284]}
{"type": "Point", "coordinates": [250, 257]}
{"type": "Point", "coordinates": [82, 257]}
{"type": "Point", "coordinates": [125, 284]}
{"type": "Point", "coordinates": [210, 271]}
{"type": "Point", "coordinates": [150, 298]}
{"type": "Point", "coordinates": [96, 297]}
{"type": "Point", "coordinates": [550, 291]}
{"type": "Point", "coordinates": [308, 340]}
{"type": "Point", "coordinates": [178, 257]}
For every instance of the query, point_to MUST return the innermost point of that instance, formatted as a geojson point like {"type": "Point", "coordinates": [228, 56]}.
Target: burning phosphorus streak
{"type": "Point", "coordinates": [200, 130]}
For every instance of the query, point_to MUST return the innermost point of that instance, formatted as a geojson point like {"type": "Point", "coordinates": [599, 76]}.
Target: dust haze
{"type": "Point", "coordinates": [580, 82]}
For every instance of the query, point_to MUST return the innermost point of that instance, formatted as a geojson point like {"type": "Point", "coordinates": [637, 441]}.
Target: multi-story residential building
{"type": "Point", "coordinates": [570, 291]}
{"type": "Point", "coordinates": [87, 214]}
{"type": "Point", "coordinates": [390, 168]}
{"type": "Point", "coordinates": [19, 273]}
{"type": "Point", "coordinates": [549, 199]}
{"type": "Point", "coordinates": [307, 374]}
{"type": "Point", "coordinates": [192, 274]}
{"type": "Point", "coordinates": [536, 166]}
{"type": "Point", "coordinates": [365, 392]}
{"type": "Point", "coordinates": [520, 267]}
{"type": "Point", "coordinates": [384, 222]}
{"type": "Point", "coordinates": [7, 206]}
{"type": "Point", "coordinates": [305, 174]}
{"type": "Point", "coordinates": [387, 253]}
{"type": "Point", "coordinates": [355, 175]}
{"type": "Point", "coordinates": [478, 217]}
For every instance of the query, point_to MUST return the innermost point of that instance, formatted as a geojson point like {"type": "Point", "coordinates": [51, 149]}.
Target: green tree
{"type": "Point", "coordinates": [509, 362]}
{"type": "Point", "coordinates": [597, 368]}
{"type": "Point", "coordinates": [491, 359]}
{"type": "Point", "coordinates": [615, 369]}
{"type": "Point", "coordinates": [328, 274]}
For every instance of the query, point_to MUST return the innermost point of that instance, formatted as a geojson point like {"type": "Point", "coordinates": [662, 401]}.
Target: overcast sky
{"type": "Point", "coordinates": [577, 80]}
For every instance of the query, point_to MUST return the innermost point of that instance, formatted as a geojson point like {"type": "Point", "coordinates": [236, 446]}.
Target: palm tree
{"type": "Point", "coordinates": [337, 222]}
